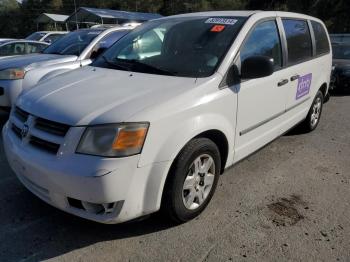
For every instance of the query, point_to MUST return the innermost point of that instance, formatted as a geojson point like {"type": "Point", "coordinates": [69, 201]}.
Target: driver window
{"type": "Point", "coordinates": [264, 40]}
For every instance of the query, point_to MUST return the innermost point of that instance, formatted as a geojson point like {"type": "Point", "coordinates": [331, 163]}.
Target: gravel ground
{"type": "Point", "coordinates": [289, 201]}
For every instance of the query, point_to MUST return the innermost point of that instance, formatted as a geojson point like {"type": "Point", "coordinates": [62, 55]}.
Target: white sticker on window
{"type": "Point", "coordinates": [221, 21]}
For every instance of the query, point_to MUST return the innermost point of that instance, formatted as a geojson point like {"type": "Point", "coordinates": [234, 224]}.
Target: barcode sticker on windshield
{"type": "Point", "coordinates": [221, 21]}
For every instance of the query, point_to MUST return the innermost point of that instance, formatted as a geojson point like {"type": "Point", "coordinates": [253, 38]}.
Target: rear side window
{"type": "Point", "coordinates": [264, 40]}
{"type": "Point", "coordinates": [322, 44]}
{"type": "Point", "coordinates": [298, 40]}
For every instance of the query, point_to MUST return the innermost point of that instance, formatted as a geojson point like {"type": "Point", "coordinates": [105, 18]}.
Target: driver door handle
{"type": "Point", "coordinates": [295, 77]}
{"type": "Point", "coordinates": [283, 82]}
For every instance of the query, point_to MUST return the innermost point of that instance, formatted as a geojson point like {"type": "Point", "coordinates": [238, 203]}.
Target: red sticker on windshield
{"type": "Point", "coordinates": [217, 28]}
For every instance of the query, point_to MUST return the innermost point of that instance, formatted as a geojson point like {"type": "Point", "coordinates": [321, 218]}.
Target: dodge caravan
{"type": "Point", "coordinates": [156, 119]}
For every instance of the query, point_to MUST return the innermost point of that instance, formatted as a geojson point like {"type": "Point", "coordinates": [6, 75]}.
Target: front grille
{"type": "Point", "coordinates": [21, 114]}
{"type": "Point", "coordinates": [42, 134]}
{"type": "Point", "coordinates": [44, 145]}
{"type": "Point", "coordinates": [51, 127]}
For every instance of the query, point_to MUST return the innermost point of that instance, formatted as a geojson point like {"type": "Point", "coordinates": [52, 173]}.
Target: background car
{"type": "Point", "coordinates": [46, 36]}
{"type": "Point", "coordinates": [21, 47]}
{"type": "Point", "coordinates": [340, 38]}
{"type": "Point", "coordinates": [341, 66]}
{"type": "Point", "coordinates": [74, 50]}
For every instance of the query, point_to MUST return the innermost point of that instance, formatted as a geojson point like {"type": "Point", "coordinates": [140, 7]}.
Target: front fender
{"type": "Point", "coordinates": [169, 147]}
{"type": "Point", "coordinates": [174, 125]}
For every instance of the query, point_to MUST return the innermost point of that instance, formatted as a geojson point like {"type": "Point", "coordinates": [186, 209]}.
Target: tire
{"type": "Point", "coordinates": [185, 183]}
{"type": "Point", "coordinates": [313, 117]}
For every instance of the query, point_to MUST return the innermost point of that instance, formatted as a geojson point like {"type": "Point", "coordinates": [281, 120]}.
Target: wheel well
{"type": "Point", "coordinates": [323, 89]}
{"type": "Point", "coordinates": [221, 142]}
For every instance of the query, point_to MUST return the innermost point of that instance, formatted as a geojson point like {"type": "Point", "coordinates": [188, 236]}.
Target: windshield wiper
{"type": "Point", "coordinates": [149, 68]}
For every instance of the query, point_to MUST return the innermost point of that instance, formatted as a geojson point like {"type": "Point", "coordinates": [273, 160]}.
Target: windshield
{"type": "Point", "coordinates": [35, 36]}
{"type": "Point", "coordinates": [73, 43]}
{"type": "Point", "coordinates": [188, 47]}
{"type": "Point", "coordinates": [341, 51]}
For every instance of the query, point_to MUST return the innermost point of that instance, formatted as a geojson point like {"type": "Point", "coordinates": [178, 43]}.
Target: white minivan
{"type": "Point", "coordinates": [158, 117]}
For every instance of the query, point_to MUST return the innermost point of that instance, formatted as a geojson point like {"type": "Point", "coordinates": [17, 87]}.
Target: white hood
{"type": "Point", "coordinates": [99, 96]}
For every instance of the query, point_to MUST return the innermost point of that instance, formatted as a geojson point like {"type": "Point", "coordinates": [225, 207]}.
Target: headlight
{"type": "Point", "coordinates": [12, 74]}
{"type": "Point", "coordinates": [116, 140]}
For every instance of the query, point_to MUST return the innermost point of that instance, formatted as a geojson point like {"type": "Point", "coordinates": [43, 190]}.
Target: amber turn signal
{"type": "Point", "coordinates": [127, 139]}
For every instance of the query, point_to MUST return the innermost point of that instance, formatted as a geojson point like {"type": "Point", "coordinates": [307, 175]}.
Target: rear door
{"type": "Point", "coordinates": [300, 64]}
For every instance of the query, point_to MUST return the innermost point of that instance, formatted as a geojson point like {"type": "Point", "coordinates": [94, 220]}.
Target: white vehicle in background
{"type": "Point", "coordinates": [74, 50]}
{"type": "Point", "coordinates": [20, 47]}
{"type": "Point", "coordinates": [155, 120]}
{"type": "Point", "coordinates": [46, 36]}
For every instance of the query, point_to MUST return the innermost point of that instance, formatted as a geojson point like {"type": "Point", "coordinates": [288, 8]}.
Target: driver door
{"type": "Point", "coordinates": [262, 101]}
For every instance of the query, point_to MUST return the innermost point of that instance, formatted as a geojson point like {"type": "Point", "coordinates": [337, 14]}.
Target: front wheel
{"type": "Point", "coordinates": [192, 180]}
{"type": "Point", "coordinates": [314, 115]}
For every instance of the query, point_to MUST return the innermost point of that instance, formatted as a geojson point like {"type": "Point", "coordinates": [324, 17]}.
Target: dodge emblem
{"type": "Point", "coordinates": [25, 130]}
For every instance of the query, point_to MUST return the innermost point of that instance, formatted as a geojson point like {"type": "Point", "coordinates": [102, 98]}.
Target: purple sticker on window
{"type": "Point", "coordinates": [304, 84]}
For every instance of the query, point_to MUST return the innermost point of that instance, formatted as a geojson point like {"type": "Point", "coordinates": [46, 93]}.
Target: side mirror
{"type": "Point", "coordinates": [257, 67]}
{"type": "Point", "coordinates": [96, 53]}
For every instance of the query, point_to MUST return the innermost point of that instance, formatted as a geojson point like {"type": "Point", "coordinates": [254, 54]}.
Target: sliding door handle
{"type": "Point", "coordinates": [283, 82]}
{"type": "Point", "coordinates": [295, 77]}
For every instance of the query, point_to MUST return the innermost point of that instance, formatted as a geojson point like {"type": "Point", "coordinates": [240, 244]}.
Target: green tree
{"type": "Point", "coordinates": [9, 24]}
{"type": "Point", "coordinates": [8, 6]}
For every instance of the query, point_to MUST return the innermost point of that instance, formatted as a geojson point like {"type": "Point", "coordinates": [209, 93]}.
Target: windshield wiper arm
{"type": "Point", "coordinates": [115, 64]}
{"type": "Point", "coordinates": [150, 67]}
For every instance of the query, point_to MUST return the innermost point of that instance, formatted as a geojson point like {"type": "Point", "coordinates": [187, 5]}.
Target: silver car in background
{"type": "Point", "coordinates": [20, 47]}
{"type": "Point", "coordinates": [76, 49]}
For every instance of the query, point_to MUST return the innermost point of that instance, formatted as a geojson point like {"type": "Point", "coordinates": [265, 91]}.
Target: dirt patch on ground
{"type": "Point", "coordinates": [284, 211]}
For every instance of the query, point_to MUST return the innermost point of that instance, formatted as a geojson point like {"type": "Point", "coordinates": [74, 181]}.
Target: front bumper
{"type": "Point", "coordinates": [9, 91]}
{"type": "Point", "coordinates": [118, 186]}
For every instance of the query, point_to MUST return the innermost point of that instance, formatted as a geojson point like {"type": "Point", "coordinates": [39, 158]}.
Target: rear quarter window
{"type": "Point", "coordinates": [298, 40]}
{"type": "Point", "coordinates": [321, 39]}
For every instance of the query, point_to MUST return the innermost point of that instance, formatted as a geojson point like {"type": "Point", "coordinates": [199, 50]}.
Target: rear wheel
{"type": "Point", "coordinates": [314, 115]}
{"type": "Point", "coordinates": [192, 180]}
